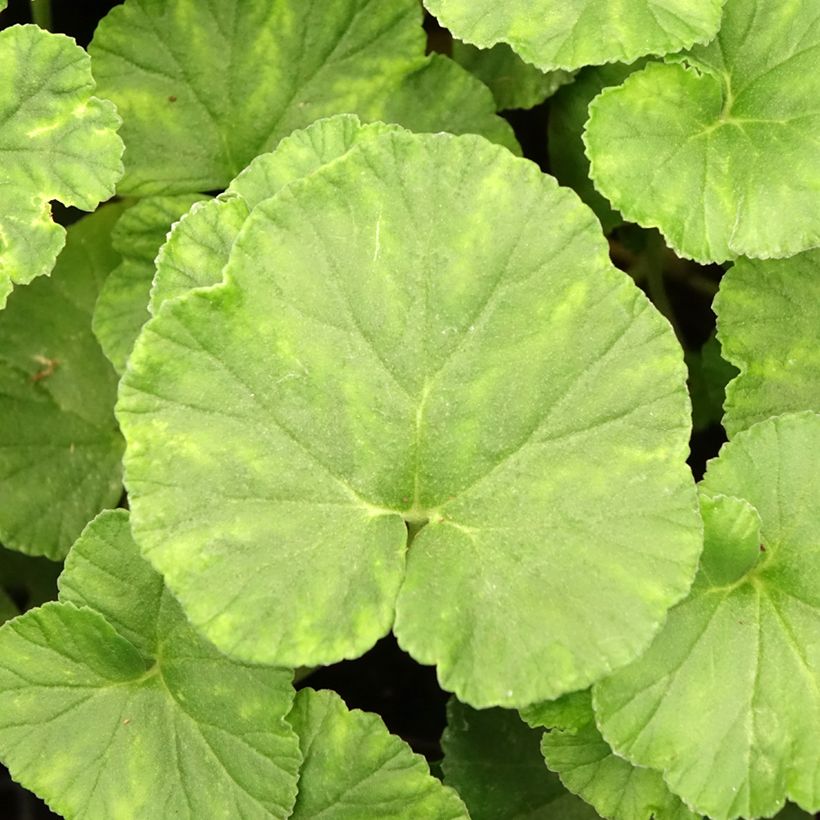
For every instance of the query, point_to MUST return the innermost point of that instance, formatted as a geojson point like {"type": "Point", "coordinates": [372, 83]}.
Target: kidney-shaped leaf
{"type": "Point", "coordinates": [769, 326]}
{"type": "Point", "coordinates": [383, 357]}
{"type": "Point", "coordinates": [576, 33]}
{"type": "Point", "coordinates": [139, 716]}
{"type": "Point", "coordinates": [720, 152]}
{"type": "Point", "coordinates": [706, 703]}
{"type": "Point", "coordinates": [57, 141]}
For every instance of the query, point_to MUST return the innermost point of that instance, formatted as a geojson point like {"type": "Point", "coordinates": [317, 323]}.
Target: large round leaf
{"type": "Point", "coordinates": [381, 355]}
{"type": "Point", "coordinates": [719, 151]}
{"type": "Point", "coordinates": [726, 701]}
{"type": "Point", "coordinates": [576, 33]}
{"type": "Point", "coordinates": [57, 141]}
{"type": "Point", "coordinates": [139, 716]}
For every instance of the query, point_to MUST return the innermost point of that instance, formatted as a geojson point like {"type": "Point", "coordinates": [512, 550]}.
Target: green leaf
{"type": "Point", "coordinates": [577, 33]}
{"type": "Point", "coordinates": [140, 717]}
{"type": "Point", "coordinates": [57, 142]}
{"type": "Point", "coordinates": [493, 760]}
{"type": "Point", "coordinates": [575, 750]}
{"type": "Point", "coordinates": [60, 449]}
{"type": "Point", "coordinates": [570, 712]}
{"type": "Point", "coordinates": [768, 320]}
{"type": "Point", "coordinates": [719, 152]}
{"type": "Point", "coordinates": [122, 306]}
{"type": "Point", "coordinates": [706, 704]}
{"type": "Point", "coordinates": [514, 83]}
{"type": "Point", "coordinates": [354, 768]}
{"type": "Point", "coordinates": [709, 373]}
{"type": "Point", "coordinates": [380, 357]}
{"type": "Point", "coordinates": [8, 609]}
{"type": "Point", "coordinates": [32, 581]}
{"type": "Point", "coordinates": [192, 122]}
{"type": "Point", "coordinates": [569, 112]}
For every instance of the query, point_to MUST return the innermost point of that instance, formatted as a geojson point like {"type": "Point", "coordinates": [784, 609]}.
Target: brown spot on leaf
{"type": "Point", "coordinates": [172, 98]}
{"type": "Point", "coordinates": [47, 369]}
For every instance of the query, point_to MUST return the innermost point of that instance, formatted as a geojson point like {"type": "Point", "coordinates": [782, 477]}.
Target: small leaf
{"type": "Point", "coordinates": [494, 762]}
{"type": "Point", "coordinates": [711, 687]}
{"type": "Point", "coordinates": [140, 717]}
{"type": "Point", "coordinates": [577, 33]}
{"type": "Point", "coordinates": [718, 150]}
{"type": "Point", "coordinates": [731, 546]}
{"type": "Point", "coordinates": [380, 356]}
{"type": "Point", "coordinates": [354, 768]}
{"type": "Point", "coordinates": [769, 326]}
{"type": "Point", "coordinates": [709, 373]}
{"type": "Point", "coordinates": [32, 581]}
{"type": "Point", "coordinates": [60, 448]}
{"type": "Point", "coordinates": [56, 142]}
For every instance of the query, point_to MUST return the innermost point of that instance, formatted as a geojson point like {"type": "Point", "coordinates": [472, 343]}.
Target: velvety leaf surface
{"type": "Point", "coordinates": [719, 150]}
{"type": "Point", "coordinates": [586, 765]}
{"type": "Point", "coordinates": [381, 355]}
{"type": "Point", "coordinates": [192, 122]}
{"type": "Point", "coordinates": [709, 373]}
{"type": "Point", "coordinates": [354, 768]}
{"type": "Point", "coordinates": [493, 761]}
{"type": "Point", "coordinates": [769, 326]}
{"type": "Point", "coordinates": [726, 701]}
{"type": "Point", "coordinates": [122, 306]}
{"type": "Point", "coordinates": [60, 448]}
{"type": "Point", "coordinates": [140, 717]}
{"type": "Point", "coordinates": [514, 83]}
{"type": "Point", "coordinates": [576, 33]}
{"type": "Point", "coordinates": [57, 141]}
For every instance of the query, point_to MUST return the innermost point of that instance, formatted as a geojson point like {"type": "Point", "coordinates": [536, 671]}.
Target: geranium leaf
{"type": "Point", "coordinates": [587, 766]}
{"type": "Point", "coordinates": [57, 142]}
{"type": "Point", "coordinates": [709, 373]}
{"type": "Point", "coordinates": [122, 306]}
{"type": "Point", "coordinates": [353, 767]}
{"type": "Point", "coordinates": [191, 123]}
{"type": "Point", "coordinates": [492, 759]}
{"type": "Point", "coordinates": [514, 83]}
{"type": "Point", "coordinates": [779, 371]}
{"type": "Point", "coordinates": [729, 652]}
{"type": "Point", "coordinates": [293, 440]}
{"type": "Point", "coordinates": [60, 448]}
{"type": "Point", "coordinates": [718, 150]}
{"type": "Point", "coordinates": [135, 710]}
{"type": "Point", "coordinates": [578, 33]}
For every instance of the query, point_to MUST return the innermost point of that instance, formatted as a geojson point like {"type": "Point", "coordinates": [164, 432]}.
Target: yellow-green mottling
{"type": "Point", "coordinates": [60, 448]}
{"type": "Point", "coordinates": [57, 142]}
{"type": "Point", "coordinates": [140, 718]}
{"type": "Point", "coordinates": [354, 768]}
{"type": "Point", "coordinates": [747, 633]}
{"type": "Point", "coordinates": [576, 33]}
{"type": "Point", "coordinates": [192, 123]}
{"type": "Point", "coordinates": [381, 355]}
{"type": "Point", "coordinates": [719, 149]}
{"type": "Point", "coordinates": [769, 327]}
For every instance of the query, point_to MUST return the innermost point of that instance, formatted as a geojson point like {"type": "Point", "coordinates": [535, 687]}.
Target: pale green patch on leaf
{"type": "Point", "coordinates": [769, 326]}
{"type": "Point", "coordinates": [381, 357]}
{"type": "Point", "coordinates": [138, 715]}
{"type": "Point", "coordinates": [719, 150]}
{"type": "Point", "coordinates": [709, 373]}
{"type": "Point", "coordinates": [575, 750]}
{"type": "Point", "coordinates": [493, 761]}
{"type": "Point", "coordinates": [576, 33]}
{"type": "Point", "coordinates": [706, 703]}
{"type": "Point", "coordinates": [57, 142]}
{"type": "Point", "coordinates": [192, 122]}
{"type": "Point", "coordinates": [60, 448]}
{"type": "Point", "coordinates": [354, 768]}
{"type": "Point", "coordinates": [514, 83]}
{"type": "Point", "coordinates": [122, 306]}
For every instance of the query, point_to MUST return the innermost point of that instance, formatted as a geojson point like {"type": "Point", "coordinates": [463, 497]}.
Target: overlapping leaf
{"type": "Point", "coordinates": [769, 326]}
{"type": "Point", "coordinates": [577, 33]}
{"type": "Point", "coordinates": [354, 768]}
{"type": "Point", "coordinates": [726, 701]}
{"type": "Point", "coordinates": [719, 149]}
{"type": "Point", "coordinates": [139, 717]}
{"type": "Point", "coordinates": [60, 449]}
{"type": "Point", "coordinates": [192, 122]}
{"type": "Point", "coordinates": [382, 356]}
{"type": "Point", "coordinates": [57, 141]}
